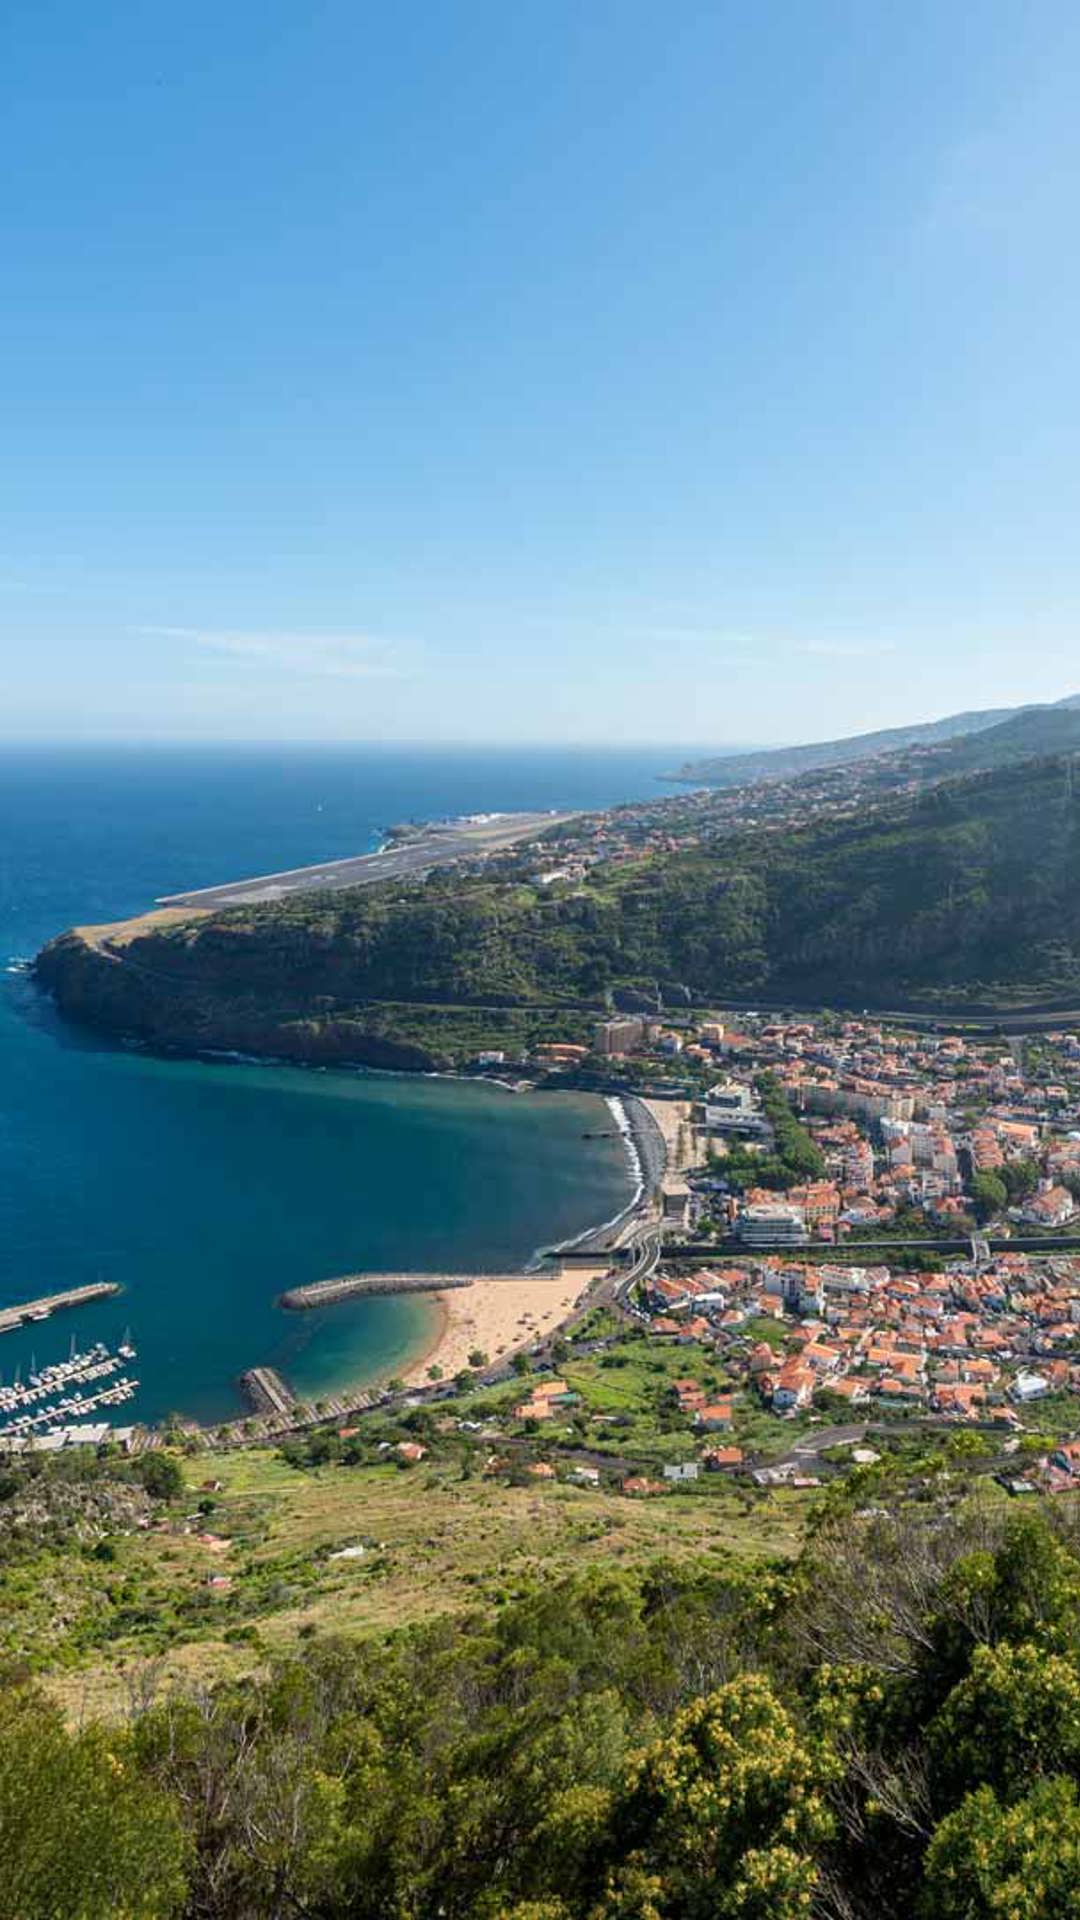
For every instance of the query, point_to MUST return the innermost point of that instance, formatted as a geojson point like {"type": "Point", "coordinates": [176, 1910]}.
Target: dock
{"type": "Point", "coordinates": [50, 1303]}
{"type": "Point", "coordinates": [352, 1286]}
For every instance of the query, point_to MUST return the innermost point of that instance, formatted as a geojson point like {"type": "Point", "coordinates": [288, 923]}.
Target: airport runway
{"type": "Point", "coordinates": [436, 846]}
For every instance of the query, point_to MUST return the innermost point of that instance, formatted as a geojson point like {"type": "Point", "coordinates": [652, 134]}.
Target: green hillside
{"type": "Point", "coordinates": [886, 1727]}
{"type": "Point", "coordinates": [786, 763]}
{"type": "Point", "coordinates": [964, 895]}
{"type": "Point", "coordinates": [961, 743]}
{"type": "Point", "coordinates": [1027, 735]}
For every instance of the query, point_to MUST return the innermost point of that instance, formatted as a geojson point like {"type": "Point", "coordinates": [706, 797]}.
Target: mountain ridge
{"type": "Point", "coordinates": [784, 763]}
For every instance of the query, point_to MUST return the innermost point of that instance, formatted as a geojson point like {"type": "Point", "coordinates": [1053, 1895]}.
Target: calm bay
{"type": "Point", "coordinates": [204, 1188]}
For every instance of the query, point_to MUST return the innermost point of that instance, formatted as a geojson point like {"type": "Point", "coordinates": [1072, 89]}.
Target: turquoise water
{"type": "Point", "coordinates": [206, 1189]}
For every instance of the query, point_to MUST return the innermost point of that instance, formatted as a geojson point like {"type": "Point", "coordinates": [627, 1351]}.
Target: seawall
{"type": "Point", "coordinates": [351, 1286]}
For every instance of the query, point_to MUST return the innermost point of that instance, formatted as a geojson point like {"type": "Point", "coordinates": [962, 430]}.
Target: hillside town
{"type": "Point", "coordinates": [863, 1231]}
{"type": "Point", "coordinates": [891, 1214]}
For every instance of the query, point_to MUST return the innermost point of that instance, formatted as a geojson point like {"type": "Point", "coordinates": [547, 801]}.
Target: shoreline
{"type": "Point", "coordinates": [497, 1317]}
{"type": "Point", "coordinates": [437, 1314]}
{"type": "Point", "coordinates": [485, 1323]}
{"type": "Point", "coordinates": [616, 1107]}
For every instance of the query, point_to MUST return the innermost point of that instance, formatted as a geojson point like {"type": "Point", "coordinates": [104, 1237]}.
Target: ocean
{"type": "Point", "coordinates": [206, 1189]}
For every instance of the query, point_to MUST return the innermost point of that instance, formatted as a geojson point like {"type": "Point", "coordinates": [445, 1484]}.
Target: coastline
{"type": "Point", "coordinates": [616, 1106]}
{"type": "Point", "coordinates": [497, 1317]}
{"type": "Point", "coordinates": [437, 1315]}
{"type": "Point", "coordinates": [481, 1317]}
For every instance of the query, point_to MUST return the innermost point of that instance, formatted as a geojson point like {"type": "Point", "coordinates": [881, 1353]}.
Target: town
{"type": "Point", "coordinates": [859, 1223]}
{"type": "Point", "coordinates": [891, 1213]}
{"type": "Point", "coordinates": [863, 1241]}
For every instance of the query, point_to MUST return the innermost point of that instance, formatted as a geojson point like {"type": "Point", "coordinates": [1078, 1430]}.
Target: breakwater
{"type": "Point", "coordinates": [49, 1303]}
{"type": "Point", "coordinates": [265, 1390]}
{"type": "Point", "coordinates": [352, 1286]}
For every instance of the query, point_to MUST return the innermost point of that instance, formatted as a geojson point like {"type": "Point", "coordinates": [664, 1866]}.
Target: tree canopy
{"type": "Point", "coordinates": [889, 1727]}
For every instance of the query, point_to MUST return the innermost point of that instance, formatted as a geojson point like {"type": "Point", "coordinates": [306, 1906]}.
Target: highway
{"type": "Point", "coordinates": [436, 846]}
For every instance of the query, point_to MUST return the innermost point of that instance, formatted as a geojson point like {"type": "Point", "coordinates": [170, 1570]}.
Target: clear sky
{"type": "Point", "coordinates": [536, 369]}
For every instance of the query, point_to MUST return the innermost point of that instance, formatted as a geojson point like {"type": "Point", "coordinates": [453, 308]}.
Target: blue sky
{"type": "Point", "coordinates": [569, 369]}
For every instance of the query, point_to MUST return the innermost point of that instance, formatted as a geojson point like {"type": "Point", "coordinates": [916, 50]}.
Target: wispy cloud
{"type": "Point", "coordinates": [336, 656]}
{"type": "Point", "coordinates": [707, 634]}
{"type": "Point", "coordinates": [846, 649]}
{"type": "Point", "coordinates": [740, 648]}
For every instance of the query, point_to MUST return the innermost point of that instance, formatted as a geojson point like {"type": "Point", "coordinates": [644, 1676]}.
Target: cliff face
{"type": "Point", "coordinates": [122, 994]}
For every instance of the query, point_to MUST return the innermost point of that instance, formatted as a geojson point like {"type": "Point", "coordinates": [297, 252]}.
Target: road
{"type": "Point", "coordinates": [733, 1249]}
{"type": "Point", "coordinates": [978, 1018]}
{"type": "Point", "coordinates": [434, 847]}
{"type": "Point", "coordinates": [810, 1445]}
{"type": "Point", "coordinates": [645, 1258]}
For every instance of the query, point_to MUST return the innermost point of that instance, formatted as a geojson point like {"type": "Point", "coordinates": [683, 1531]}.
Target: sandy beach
{"type": "Point", "coordinates": [497, 1316]}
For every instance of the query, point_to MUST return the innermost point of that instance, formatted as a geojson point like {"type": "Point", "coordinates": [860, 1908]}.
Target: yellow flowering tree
{"type": "Point", "coordinates": [720, 1819]}
{"type": "Point", "coordinates": [1016, 1714]}
{"type": "Point", "coordinates": [987, 1861]}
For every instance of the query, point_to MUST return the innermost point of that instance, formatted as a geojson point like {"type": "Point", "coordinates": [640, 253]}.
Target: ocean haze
{"type": "Point", "coordinates": [205, 1189]}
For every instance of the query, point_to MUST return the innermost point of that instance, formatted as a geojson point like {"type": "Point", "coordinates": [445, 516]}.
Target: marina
{"type": "Point", "coordinates": [53, 1395]}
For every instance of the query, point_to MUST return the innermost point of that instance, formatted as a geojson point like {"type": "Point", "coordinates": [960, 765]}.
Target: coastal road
{"type": "Point", "coordinates": [644, 1261]}
{"type": "Point", "coordinates": [411, 858]}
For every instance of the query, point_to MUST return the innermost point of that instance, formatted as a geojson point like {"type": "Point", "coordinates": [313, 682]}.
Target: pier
{"type": "Point", "coordinates": [351, 1286]}
{"type": "Point", "coordinates": [266, 1392]}
{"type": "Point", "coordinates": [50, 1303]}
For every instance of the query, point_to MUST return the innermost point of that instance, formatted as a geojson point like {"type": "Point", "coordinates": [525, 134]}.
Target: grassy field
{"type": "Point", "coordinates": [629, 1388]}
{"type": "Point", "coordinates": [246, 1561]}
{"type": "Point", "coordinates": [432, 1541]}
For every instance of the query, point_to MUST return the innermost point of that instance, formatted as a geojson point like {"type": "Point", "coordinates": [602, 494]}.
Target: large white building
{"type": "Point", "coordinates": [773, 1224]}
{"type": "Point", "coordinates": [731, 1107]}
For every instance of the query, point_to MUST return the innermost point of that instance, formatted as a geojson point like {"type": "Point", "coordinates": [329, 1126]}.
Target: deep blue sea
{"type": "Point", "coordinates": [204, 1190]}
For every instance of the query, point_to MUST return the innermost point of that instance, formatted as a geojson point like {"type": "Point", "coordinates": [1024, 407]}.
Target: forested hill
{"type": "Point", "coordinates": [1035, 732]}
{"type": "Point", "coordinates": [967, 894]}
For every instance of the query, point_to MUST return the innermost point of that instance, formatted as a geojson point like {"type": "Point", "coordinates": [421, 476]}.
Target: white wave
{"type": "Point", "coordinates": [622, 1121]}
